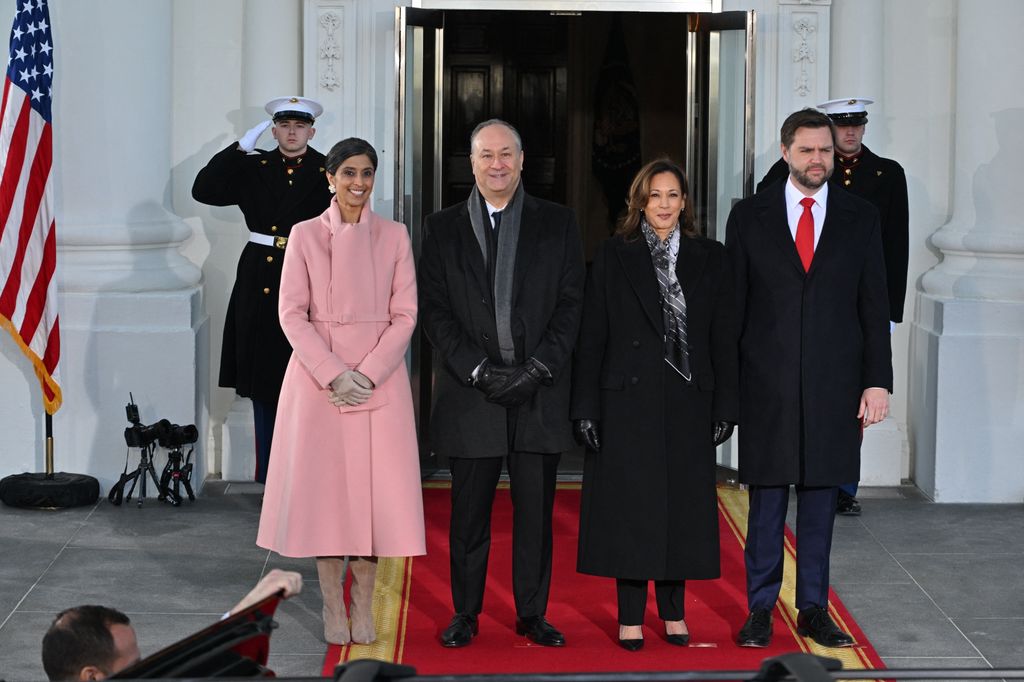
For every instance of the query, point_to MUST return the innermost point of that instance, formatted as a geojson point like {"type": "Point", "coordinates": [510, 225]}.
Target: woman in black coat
{"type": "Point", "coordinates": [654, 391]}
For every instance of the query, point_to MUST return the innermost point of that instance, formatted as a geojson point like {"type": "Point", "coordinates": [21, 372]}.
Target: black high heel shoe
{"type": "Point", "coordinates": [679, 640]}
{"type": "Point", "coordinates": [631, 644]}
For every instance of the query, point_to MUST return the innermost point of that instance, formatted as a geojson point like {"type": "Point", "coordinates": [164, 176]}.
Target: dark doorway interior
{"type": "Point", "coordinates": [550, 75]}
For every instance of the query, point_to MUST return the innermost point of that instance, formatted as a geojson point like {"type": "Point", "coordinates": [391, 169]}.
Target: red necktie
{"type": "Point", "coordinates": [805, 233]}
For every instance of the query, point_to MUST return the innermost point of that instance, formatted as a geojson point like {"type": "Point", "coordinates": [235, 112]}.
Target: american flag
{"type": "Point", "coordinates": [28, 241]}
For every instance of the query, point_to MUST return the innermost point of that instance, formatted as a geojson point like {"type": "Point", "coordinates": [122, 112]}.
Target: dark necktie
{"type": "Point", "coordinates": [492, 246]}
{"type": "Point", "coordinates": [805, 234]}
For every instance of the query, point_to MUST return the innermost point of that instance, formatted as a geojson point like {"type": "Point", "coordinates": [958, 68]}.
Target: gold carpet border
{"type": "Point", "coordinates": [394, 578]}
{"type": "Point", "coordinates": [734, 506]}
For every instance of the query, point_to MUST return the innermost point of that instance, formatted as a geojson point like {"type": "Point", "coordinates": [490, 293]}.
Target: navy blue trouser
{"type": "Point", "coordinates": [766, 523]}
{"type": "Point", "coordinates": [263, 414]}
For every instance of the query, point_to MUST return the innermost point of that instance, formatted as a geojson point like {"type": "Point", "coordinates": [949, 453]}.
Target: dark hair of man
{"type": "Point", "coordinates": [640, 192]}
{"type": "Point", "coordinates": [80, 637]}
{"type": "Point", "coordinates": [495, 122]}
{"type": "Point", "coordinates": [346, 149]}
{"type": "Point", "coordinates": [805, 118]}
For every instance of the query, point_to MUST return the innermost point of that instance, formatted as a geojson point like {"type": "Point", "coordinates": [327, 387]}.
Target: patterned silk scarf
{"type": "Point", "coordinates": [673, 303]}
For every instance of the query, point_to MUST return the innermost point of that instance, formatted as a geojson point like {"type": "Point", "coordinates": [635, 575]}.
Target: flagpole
{"type": "Point", "coordinates": [49, 445]}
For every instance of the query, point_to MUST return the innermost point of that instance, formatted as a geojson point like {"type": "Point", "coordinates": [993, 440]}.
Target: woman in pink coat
{"type": "Point", "coordinates": [344, 479]}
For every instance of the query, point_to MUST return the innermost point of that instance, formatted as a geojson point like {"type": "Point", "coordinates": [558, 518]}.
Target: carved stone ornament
{"type": "Point", "coordinates": [803, 54]}
{"type": "Point", "coordinates": [330, 51]}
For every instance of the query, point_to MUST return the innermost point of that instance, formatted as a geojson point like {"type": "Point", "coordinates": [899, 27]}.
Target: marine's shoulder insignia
{"type": "Point", "coordinates": [263, 161]}
{"type": "Point", "coordinates": [878, 172]}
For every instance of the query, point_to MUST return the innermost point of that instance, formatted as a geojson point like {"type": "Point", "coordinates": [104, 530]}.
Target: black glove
{"type": "Point", "coordinates": [491, 378]}
{"type": "Point", "coordinates": [585, 433]}
{"type": "Point", "coordinates": [522, 383]}
{"type": "Point", "coordinates": [723, 431]}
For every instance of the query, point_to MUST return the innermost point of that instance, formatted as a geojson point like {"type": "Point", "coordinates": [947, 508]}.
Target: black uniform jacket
{"type": "Point", "coordinates": [810, 343]}
{"type": "Point", "coordinates": [882, 182]}
{"type": "Point", "coordinates": [255, 351]}
{"type": "Point", "coordinates": [457, 315]}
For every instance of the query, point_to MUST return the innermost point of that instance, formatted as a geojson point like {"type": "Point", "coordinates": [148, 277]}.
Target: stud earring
{"type": "Point", "coordinates": [330, 188]}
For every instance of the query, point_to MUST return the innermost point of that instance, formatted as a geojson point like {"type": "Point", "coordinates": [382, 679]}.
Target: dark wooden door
{"type": "Point", "coordinates": [513, 66]}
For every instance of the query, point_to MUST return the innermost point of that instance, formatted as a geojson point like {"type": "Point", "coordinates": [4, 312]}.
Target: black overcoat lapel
{"type": "Point", "coordinates": [771, 211]}
{"type": "Point", "coordinates": [839, 216]}
{"type": "Point", "coordinates": [690, 264]}
{"type": "Point", "coordinates": [472, 256]}
{"type": "Point", "coordinates": [635, 258]}
{"type": "Point", "coordinates": [526, 249]}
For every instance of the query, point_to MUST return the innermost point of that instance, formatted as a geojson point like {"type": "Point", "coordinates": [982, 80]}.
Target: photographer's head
{"type": "Point", "coordinates": [89, 643]}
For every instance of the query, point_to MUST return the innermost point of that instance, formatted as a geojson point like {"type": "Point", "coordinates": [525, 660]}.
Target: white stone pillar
{"type": "Point", "coordinates": [969, 325]}
{"type": "Point", "coordinates": [271, 67]}
{"type": "Point", "coordinates": [132, 318]}
{"type": "Point", "coordinates": [855, 65]}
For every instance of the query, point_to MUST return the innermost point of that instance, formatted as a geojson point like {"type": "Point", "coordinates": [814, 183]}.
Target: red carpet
{"type": "Point", "coordinates": [413, 605]}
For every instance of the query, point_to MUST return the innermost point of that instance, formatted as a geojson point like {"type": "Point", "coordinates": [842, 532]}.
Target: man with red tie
{"type": "Point", "coordinates": [815, 366]}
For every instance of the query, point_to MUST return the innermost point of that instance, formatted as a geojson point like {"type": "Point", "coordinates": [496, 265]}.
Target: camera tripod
{"type": "Point", "coordinates": [178, 475]}
{"type": "Point", "coordinates": [138, 476]}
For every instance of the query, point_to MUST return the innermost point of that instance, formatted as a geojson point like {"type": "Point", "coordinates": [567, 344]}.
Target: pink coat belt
{"type": "Point", "coordinates": [350, 318]}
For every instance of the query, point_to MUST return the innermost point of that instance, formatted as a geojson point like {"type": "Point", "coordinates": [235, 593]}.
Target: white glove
{"type": "Point", "coordinates": [248, 142]}
{"type": "Point", "coordinates": [349, 388]}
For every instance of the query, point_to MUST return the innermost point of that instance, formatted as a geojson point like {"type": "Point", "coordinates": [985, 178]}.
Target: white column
{"type": "Point", "coordinates": [969, 325]}
{"type": "Point", "coordinates": [856, 60]}
{"type": "Point", "coordinates": [271, 67]}
{"type": "Point", "coordinates": [804, 34]}
{"type": "Point", "coordinates": [131, 306]}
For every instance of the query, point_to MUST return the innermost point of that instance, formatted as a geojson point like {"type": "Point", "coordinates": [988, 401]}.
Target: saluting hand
{"type": "Point", "coordinates": [248, 142]}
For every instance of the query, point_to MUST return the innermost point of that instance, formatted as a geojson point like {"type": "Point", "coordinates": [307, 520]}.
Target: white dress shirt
{"type": "Point", "coordinates": [794, 209]}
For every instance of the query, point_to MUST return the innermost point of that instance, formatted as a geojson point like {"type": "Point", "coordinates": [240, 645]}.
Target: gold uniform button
{"type": "Point", "coordinates": [846, 182]}
{"type": "Point", "coordinates": [289, 182]}
{"type": "Point", "coordinates": [848, 171]}
{"type": "Point", "coordinates": [273, 228]}
{"type": "Point", "coordinates": [290, 171]}
{"type": "Point", "coordinates": [266, 290]}
{"type": "Point", "coordinates": [270, 259]}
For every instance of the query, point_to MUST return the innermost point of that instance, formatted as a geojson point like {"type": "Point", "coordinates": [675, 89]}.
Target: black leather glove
{"type": "Point", "coordinates": [585, 432]}
{"type": "Point", "coordinates": [723, 431]}
{"type": "Point", "coordinates": [522, 383]}
{"type": "Point", "coordinates": [491, 378]}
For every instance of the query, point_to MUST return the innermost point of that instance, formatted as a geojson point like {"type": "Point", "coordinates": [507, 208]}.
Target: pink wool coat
{"type": "Point", "coordinates": [345, 480]}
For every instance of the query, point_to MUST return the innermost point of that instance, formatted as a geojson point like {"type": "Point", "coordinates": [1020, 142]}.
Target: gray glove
{"type": "Point", "coordinates": [248, 142]}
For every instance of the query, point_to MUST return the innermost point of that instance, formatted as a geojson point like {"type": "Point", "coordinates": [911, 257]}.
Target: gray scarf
{"type": "Point", "coordinates": [673, 302]}
{"type": "Point", "coordinates": [505, 265]}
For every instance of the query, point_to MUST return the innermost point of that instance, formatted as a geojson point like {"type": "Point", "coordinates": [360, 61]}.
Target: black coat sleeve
{"type": "Point", "coordinates": [873, 308]}
{"type": "Point", "coordinates": [590, 348]}
{"type": "Point", "coordinates": [724, 342]}
{"type": "Point", "coordinates": [896, 243]}
{"type": "Point", "coordinates": [219, 182]}
{"type": "Point", "coordinates": [555, 348]}
{"type": "Point", "coordinates": [460, 352]}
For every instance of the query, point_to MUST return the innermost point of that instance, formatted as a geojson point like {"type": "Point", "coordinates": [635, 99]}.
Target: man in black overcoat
{"type": "Point", "coordinates": [501, 287]}
{"type": "Point", "coordinates": [815, 366]}
{"type": "Point", "coordinates": [882, 182]}
{"type": "Point", "coordinates": [274, 190]}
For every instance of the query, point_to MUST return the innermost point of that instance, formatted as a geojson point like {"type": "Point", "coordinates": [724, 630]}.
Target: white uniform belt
{"type": "Point", "coordinates": [350, 318]}
{"type": "Point", "coordinates": [268, 240]}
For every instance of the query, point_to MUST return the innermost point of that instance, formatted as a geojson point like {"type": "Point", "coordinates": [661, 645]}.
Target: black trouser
{"type": "Point", "coordinates": [632, 596]}
{"type": "Point", "coordinates": [532, 479]}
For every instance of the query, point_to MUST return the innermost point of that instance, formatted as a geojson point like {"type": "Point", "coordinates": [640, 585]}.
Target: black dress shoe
{"type": "Point", "coordinates": [632, 644]}
{"type": "Point", "coordinates": [539, 631]}
{"type": "Point", "coordinates": [847, 505]}
{"type": "Point", "coordinates": [460, 631]}
{"type": "Point", "coordinates": [819, 626]}
{"type": "Point", "coordinates": [678, 640]}
{"type": "Point", "coordinates": [757, 631]}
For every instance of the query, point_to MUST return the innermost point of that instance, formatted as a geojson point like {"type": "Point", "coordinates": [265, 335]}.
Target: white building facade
{"type": "Point", "coordinates": [146, 92]}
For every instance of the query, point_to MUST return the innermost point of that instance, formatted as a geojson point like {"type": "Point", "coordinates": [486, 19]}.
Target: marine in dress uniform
{"type": "Point", "coordinates": [274, 190]}
{"type": "Point", "coordinates": [883, 183]}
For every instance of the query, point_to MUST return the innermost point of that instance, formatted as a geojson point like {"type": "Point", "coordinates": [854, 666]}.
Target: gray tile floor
{"type": "Point", "coordinates": [936, 586]}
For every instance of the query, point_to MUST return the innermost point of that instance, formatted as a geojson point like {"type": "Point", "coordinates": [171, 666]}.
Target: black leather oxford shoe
{"type": "Point", "coordinates": [847, 505]}
{"type": "Point", "coordinates": [757, 631]}
{"type": "Point", "coordinates": [460, 631]}
{"type": "Point", "coordinates": [819, 626]}
{"type": "Point", "coordinates": [539, 631]}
